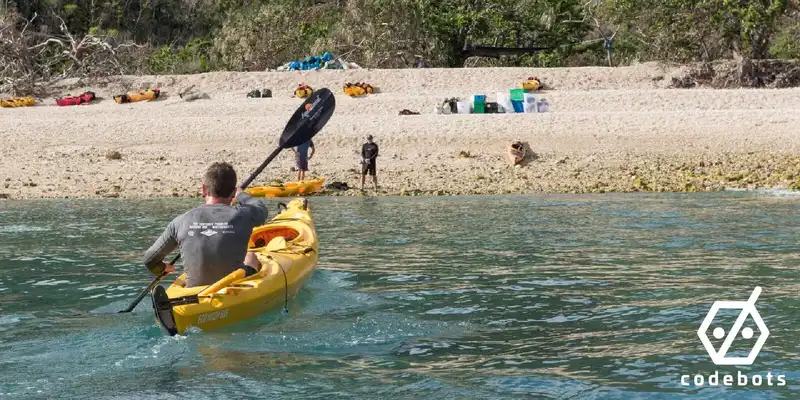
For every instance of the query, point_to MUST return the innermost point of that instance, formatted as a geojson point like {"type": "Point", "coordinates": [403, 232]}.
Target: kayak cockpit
{"type": "Point", "coordinates": [265, 235]}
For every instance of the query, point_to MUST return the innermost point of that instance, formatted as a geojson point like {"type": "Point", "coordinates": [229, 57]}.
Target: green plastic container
{"type": "Point", "coordinates": [517, 94]}
{"type": "Point", "coordinates": [479, 108]}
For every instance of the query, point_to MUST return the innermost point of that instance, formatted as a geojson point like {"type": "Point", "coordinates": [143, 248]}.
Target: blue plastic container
{"type": "Point", "coordinates": [518, 106]}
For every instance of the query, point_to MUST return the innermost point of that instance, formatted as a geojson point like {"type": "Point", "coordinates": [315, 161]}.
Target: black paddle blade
{"type": "Point", "coordinates": [306, 122]}
{"type": "Point", "coordinates": [309, 118]}
{"type": "Point", "coordinates": [163, 311]}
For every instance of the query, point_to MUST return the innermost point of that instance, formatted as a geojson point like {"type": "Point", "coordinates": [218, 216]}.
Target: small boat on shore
{"type": "Point", "coordinates": [287, 189]}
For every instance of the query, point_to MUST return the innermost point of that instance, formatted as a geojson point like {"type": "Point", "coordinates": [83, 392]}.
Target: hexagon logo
{"type": "Point", "coordinates": [748, 308]}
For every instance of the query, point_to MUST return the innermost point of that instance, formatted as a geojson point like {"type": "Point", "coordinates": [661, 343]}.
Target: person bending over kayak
{"type": "Point", "coordinates": [369, 152]}
{"type": "Point", "coordinates": [302, 157]}
{"type": "Point", "coordinates": [213, 237]}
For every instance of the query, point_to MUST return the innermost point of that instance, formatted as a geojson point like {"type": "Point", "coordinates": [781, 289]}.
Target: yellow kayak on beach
{"type": "Point", "coordinates": [287, 189]}
{"type": "Point", "coordinates": [17, 102]}
{"type": "Point", "coordinates": [287, 247]}
{"type": "Point", "coordinates": [305, 187]}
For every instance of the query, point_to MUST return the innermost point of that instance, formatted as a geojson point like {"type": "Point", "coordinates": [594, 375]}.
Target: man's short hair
{"type": "Point", "coordinates": [220, 180]}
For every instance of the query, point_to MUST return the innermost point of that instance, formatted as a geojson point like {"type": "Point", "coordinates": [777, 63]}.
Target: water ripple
{"type": "Point", "coordinates": [558, 296]}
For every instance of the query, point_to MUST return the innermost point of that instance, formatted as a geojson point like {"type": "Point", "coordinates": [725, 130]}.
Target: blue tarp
{"type": "Point", "coordinates": [311, 62]}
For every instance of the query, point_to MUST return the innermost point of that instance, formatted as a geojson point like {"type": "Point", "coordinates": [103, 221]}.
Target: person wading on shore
{"type": "Point", "coordinates": [369, 152]}
{"type": "Point", "coordinates": [302, 157]}
{"type": "Point", "coordinates": [213, 237]}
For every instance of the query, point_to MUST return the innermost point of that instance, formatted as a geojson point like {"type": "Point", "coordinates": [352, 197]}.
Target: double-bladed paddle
{"type": "Point", "coordinates": [304, 124]}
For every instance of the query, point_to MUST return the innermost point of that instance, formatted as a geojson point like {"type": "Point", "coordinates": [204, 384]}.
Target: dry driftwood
{"type": "Point", "coordinates": [31, 60]}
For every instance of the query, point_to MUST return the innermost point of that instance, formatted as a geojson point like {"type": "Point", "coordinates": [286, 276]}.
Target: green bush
{"type": "Point", "coordinates": [190, 36]}
{"type": "Point", "coordinates": [191, 59]}
{"type": "Point", "coordinates": [272, 34]}
{"type": "Point", "coordinates": [787, 44]}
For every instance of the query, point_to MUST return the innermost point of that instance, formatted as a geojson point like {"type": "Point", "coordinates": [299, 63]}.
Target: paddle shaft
{"type": "Point", "coordinates": [149, 287]}
{"type": "Point", "coordinates": [289, 138]}
{"type": "Point", "coordinates": [174, 260]}
{"type": "Point", "coordinates": [261, 168]}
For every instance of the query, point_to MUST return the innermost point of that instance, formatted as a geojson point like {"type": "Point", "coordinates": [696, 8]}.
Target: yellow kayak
{"type": "Point", "coordinates": [306, 187]}
{"type": "Point", "coordinates": [287, 247]}
{"type": "Point", "coordinates": [271, 191]}
{"type": "Point", "coordinates": [287, 189]}
{"type": "Point", "coordinates": [17, 102]}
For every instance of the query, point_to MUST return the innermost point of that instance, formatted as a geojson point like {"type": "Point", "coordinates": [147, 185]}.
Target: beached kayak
{"type": "Point", "coordinates": [305, 187]}
{"type": "Point", "coordinates": [287, 247]}
{"type": "Point", "coordinates": [287, 189]}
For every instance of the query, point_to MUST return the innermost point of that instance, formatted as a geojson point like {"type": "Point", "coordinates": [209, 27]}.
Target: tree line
{"type": "Point", "coordinates": [45, 39]}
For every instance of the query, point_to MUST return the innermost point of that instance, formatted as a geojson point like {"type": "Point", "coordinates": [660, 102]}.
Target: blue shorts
{"type": "Point", "coordinates": [302, 163]}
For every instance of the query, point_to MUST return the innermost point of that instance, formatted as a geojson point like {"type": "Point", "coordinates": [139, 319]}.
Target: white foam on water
{"type": "Point", "coordinates": [507, 253]}
{"type": "Point", "coordinates": [403, 278]}
{"type": "Point", "coordinates": [64, 259]}
{"type": "Point", "coordinates": [50, 282]}
{"type": "Point", "coordinates": [93, 297]}
{"type": "Point", "coordinates": [21, 228]}
{"type": "Point", "coordinates": [415, 351]}
{"type": "Point", "coordinates": [454, 310]}
{"type": "Point", "coordinates": [26, 258]}
{"type": "Point", "coordinates": [13, 319]}
{"type": "Point", "coordinates": [88, 288]}
{"type": "Point", "coordinates": [768, 192]}
{"type": "Point", "coordinates": [403, 296]}
{"type": "Point", "coordinates": [121, 288]}
{"type": "Point", "coordinates": [552, 282]}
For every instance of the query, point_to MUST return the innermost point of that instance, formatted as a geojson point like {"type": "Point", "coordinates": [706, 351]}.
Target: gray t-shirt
{"type": "Point", "coordinates": [212, 238]}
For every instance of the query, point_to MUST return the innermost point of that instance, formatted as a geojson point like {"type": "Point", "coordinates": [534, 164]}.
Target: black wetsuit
{"type": "Point", "coordinates": [369, 151]}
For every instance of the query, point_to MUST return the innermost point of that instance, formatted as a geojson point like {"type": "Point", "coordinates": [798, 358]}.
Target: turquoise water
{"type": "Point", "coordinates": [471, 297]}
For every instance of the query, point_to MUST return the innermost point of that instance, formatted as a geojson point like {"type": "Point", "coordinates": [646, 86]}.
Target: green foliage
{"type": "Point", "coordinates": [185, 36]}
{"type": "Point", "coordinates": [69, 9]}
{"type": "Point", "coordinates": [787, 43]}
{"type": "Point", "coordinates": [685, 30]}
{"type": "Point", "coordinates": [266, 36]}
{"type": "Point", "coordinates": [192, 58]}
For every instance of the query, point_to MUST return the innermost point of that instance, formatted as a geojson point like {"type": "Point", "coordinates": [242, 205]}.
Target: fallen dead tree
{"type": "Point", "coordinates": [740, 73]}
{"type": "Point", "coordinates": [29, 60]}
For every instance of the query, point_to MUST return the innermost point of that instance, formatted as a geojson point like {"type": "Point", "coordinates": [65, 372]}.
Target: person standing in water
{"type": "Point", "coordinates": [369, 152]}
{"type": "Point", "coordinates": [302, 157]}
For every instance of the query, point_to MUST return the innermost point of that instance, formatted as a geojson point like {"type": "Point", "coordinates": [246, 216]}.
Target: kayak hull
{"type": "Point", "coordinates": [287, 247]}
{"type": "Point", "coordinates": [17, 102]}
{"type": "Point", "coordinates": [287, 189]}
{"type": "Point", "coordinates": [271, 191]}
{"type": "Point", "coordinates": [306, 187]}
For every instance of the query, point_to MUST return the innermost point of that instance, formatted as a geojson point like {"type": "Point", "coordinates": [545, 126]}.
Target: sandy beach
{"type": "Point", "coordinates": [607, 130]}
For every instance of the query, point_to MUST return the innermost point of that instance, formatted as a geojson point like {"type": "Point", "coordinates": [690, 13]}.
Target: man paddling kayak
{"type": "Point", "coordinates": [213, 237]}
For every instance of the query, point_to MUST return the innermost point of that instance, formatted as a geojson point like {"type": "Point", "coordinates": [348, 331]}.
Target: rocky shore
{"type": "Point", "coordinates": [608, 130]}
